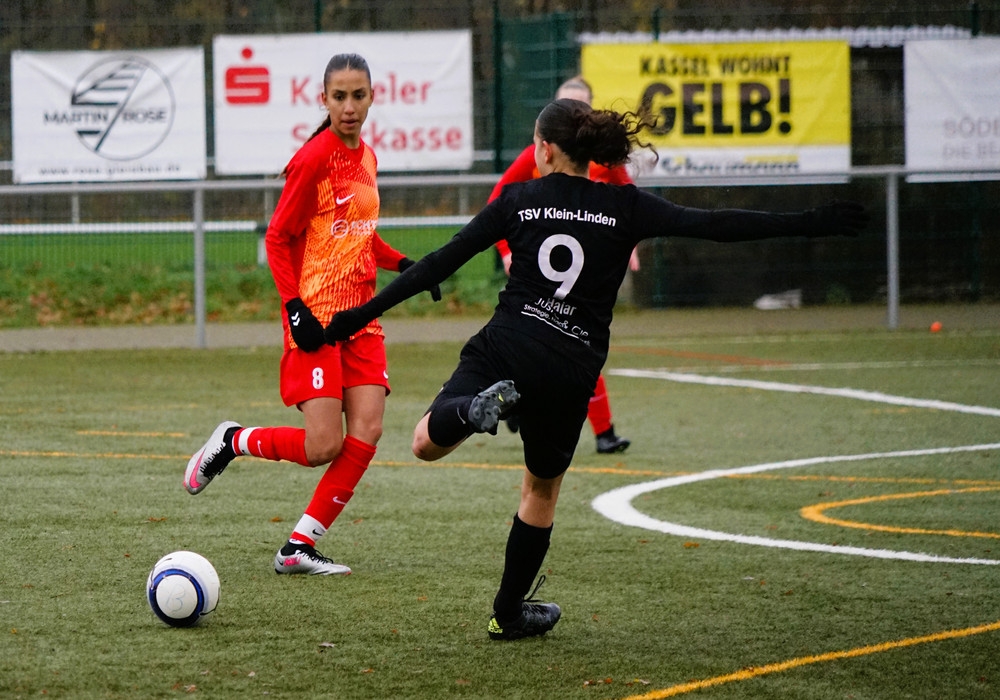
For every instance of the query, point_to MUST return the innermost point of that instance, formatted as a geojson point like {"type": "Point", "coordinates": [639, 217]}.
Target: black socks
{"type": "Point", "coordinates": [526, 548]}
{"type": "Point", "coordinates": [449, 422]}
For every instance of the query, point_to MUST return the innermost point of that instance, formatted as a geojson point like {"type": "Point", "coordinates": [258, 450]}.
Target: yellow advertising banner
{"type": "Point", "coordinates": [732, 109]}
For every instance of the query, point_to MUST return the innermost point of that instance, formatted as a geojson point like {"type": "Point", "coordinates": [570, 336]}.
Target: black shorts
{"type": "Point", "coordinates": [555, 392]}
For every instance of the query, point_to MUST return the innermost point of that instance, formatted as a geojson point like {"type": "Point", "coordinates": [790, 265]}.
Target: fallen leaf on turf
{"type": "Point", "coordinates": [691, 545]}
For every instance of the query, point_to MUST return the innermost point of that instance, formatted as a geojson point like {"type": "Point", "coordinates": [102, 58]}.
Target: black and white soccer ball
{"type": "Point", "coordinates": [182, 587]}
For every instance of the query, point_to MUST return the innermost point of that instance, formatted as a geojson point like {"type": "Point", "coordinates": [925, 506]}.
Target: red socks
{"type": "Point", "coordinates": [599, 409]}
{"type": "Point", "coordinates": [334, 489]}
{"type": "Point", "coordinates": [275, 444]}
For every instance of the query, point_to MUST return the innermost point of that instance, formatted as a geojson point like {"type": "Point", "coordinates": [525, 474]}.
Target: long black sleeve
{"type": "Point", "coordinates": [663, 218]}
{"type": "Point", "coordinates": [434, 268]}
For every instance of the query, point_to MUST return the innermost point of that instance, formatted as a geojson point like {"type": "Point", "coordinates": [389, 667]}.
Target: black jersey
{"type": "Point", "coordinates": [570, 241]}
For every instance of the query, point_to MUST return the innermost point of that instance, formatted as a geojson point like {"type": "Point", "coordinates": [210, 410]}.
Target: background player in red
{"type": "Point", "coordinates": [522, 169]}
{"type": "Point", "coordinates": [323, 252]}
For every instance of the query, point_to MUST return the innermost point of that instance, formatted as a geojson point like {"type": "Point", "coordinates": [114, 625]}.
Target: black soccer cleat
{"type": "Point", "coordinates": [536, 619]}
{"type": "Point", "coordinates": [489, 406]}
{"type": "Point", "coordinates": [609, 443]}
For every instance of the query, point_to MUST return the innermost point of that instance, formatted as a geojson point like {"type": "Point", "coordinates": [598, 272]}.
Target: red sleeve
{"type": "Point", "coordinates": [386, 256]}
{"type": "Point", "coordinates": [285, 239]}
{"type": "Point", "coordinates": [617, 175]}
{"type": "Point", "coordinates": [521, 170]}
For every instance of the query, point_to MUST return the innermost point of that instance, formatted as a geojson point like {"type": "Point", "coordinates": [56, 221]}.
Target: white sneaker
{"type": "Point", "coordinates": [213, 457]}
{"type": "Point", "coordinates": [304, 559]}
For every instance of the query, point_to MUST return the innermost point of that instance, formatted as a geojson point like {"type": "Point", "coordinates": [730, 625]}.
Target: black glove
{"type": "Point", "coordinates": [307, 331]}
{"type": "Point", "coordinates": [346, 323]}
{"type": "Point", "coordinates": [838, 218]}
{"type": "Point", "coordinates": [405, 264]}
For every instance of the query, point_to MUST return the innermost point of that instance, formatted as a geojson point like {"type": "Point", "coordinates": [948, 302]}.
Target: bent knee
{"type": "Point", "coordinates": [423, 452]}
{"type": "Point", "coordinates": [318, 455]}
{"type": "Point", "coordinates": [427, 451]}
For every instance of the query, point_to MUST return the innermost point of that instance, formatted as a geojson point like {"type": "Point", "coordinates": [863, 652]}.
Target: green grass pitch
{"type": "Point", "coordinates": [95, 443]}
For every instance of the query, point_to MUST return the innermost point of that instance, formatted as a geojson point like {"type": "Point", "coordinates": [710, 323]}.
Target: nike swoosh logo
{"type": "Point", "coordinates": [317, 534]}
{"type": "Point", "coordinates": [336, 499]}
{"type": "Point", "coordinates": [342, 200]}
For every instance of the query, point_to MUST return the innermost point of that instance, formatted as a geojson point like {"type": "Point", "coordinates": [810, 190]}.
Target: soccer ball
{"type": "Point", "coordinates": [182, 587]}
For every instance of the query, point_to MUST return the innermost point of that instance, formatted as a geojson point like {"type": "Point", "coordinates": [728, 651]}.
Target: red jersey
{"type": "Point", "coordinates": [523, 169]}
{"type": "Point", "coordinates": [321, 242]}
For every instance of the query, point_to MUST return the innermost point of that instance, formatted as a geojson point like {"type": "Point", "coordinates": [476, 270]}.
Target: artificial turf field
{"type": "Point", "coordinates": [808, 510]}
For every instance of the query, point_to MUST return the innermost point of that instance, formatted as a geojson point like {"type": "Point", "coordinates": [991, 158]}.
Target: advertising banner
{"type": "Point", "coordinates": [267, 96]}
{"type": "Point", "coordinates": [91, 116]}
{"type": "Point", "coordinates": [952, 94]}
{"type": "Point", "coordinates": [739, 109]}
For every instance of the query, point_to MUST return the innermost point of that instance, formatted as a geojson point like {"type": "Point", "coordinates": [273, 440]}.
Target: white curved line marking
{"type": "Point", "coordinates": [616, 505]}
{"type": "Point", "coordinates": [806, 389]}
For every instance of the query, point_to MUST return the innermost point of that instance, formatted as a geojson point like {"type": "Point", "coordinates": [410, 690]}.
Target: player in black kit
{"type": "Point", "coordinates": [541, 352]}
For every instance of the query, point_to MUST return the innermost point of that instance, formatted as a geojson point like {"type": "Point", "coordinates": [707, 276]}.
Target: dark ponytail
{"type": "Point", "coordinates": [603, 136]}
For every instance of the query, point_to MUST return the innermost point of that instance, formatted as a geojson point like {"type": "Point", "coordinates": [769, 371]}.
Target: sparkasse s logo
{"type": "Point", "coordinates": [121, 108]}
{"type": "Point", "coordinates": [248, 85]}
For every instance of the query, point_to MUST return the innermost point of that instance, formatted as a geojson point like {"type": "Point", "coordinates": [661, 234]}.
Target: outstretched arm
{"type": "Point", "coordinates": [434, 268]}
{"type": "Point", "coordinates": [837, 218]}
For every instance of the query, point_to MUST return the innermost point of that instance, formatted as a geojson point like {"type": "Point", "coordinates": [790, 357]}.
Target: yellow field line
{"type": "Point", "coordinates": [615, 471]}
{"type": "Point", "coordinates": [122, 433]}
{"type": "Point", "coordinates": [758, 671]}
{"type": "Point", "coordinates": [816, 513]}
{"type": "Point", "coordinates": [866, 479]}
{"type": "Point", "coordinates": [91, 455]}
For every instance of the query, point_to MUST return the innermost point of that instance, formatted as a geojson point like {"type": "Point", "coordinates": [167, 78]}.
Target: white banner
{"type": "Point", "coordinates": [952, 91]}
{"type": "Point", "coordinates": [85, 116]}
{"type": "Point", "coordinates": [268, 87]}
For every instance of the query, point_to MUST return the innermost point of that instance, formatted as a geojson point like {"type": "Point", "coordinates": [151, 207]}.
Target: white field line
{"type": "Point", "coordinates": [846, 393]}
{"type": "Point", "coordinates": [820, 366]}
{"type": "Point", "coordinates": [616, 505]}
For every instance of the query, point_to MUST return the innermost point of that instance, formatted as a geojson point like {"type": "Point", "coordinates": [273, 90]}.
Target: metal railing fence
{"type": "Point", "coordinates": [462, 209]}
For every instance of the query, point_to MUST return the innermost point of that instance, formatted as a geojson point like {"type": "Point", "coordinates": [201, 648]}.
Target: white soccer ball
{"type": "Point", "coordinates": [182, 587]}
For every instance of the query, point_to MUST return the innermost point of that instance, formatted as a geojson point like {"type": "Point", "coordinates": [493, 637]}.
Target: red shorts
{"type": "Point", "coordinates": [331, 369]}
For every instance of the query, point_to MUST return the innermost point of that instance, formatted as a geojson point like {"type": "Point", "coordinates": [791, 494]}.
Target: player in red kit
{"type": "Point", "coordinates": [323, 251]}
